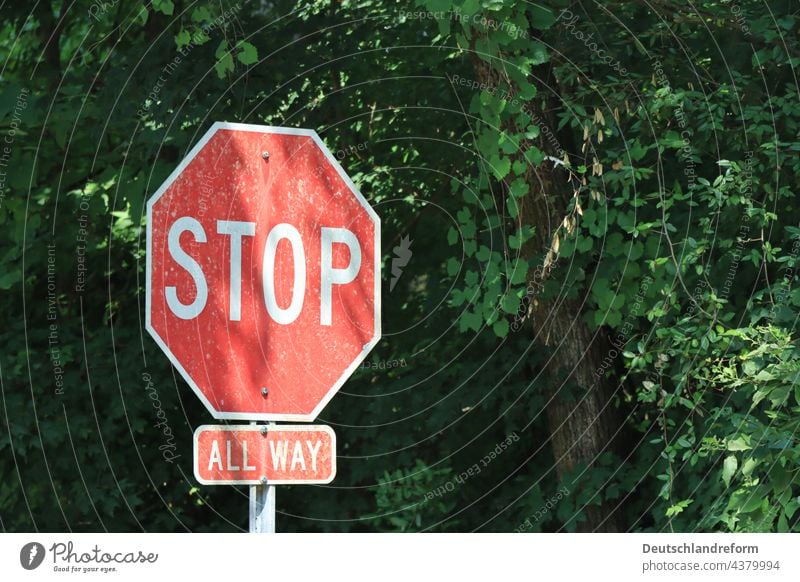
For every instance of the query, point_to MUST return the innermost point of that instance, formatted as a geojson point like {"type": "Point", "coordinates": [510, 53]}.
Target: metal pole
{"type": "Point", "coordinates": [262, 505]}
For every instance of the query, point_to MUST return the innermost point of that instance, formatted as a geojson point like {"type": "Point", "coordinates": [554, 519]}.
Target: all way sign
{"type": "Point", "coordinates": [257, 455]}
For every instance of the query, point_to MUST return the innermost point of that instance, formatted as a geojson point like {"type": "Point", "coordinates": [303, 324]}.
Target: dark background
{"type": "Point", "coordinates": [622, 317]}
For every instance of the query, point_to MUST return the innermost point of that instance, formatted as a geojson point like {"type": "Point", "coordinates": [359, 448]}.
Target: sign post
{"type": "Point", "coordinates": [262, 506]}
{"type": "Point", "coordinates": [263, 290]}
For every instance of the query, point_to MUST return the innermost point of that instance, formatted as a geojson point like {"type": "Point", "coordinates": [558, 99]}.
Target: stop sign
{"type": "Point", "coordinates": [263, 272]}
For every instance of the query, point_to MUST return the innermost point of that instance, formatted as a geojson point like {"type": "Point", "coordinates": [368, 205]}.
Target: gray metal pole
{"type": "Point", "coordinates": [262, 506]}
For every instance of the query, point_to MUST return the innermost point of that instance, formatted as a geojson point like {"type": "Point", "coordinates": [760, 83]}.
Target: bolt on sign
{"type": "Point", "coordinates": [278, 455]}
{"type": "Point", "coordinates": [263, 273]}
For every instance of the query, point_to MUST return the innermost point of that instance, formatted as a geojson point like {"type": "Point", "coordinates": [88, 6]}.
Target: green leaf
{"type": "Point", "coordinates": [534, 156]}
{"type": "Point", "coordinates": [520, 168]}
{"type": "Point", "coordinates": [510, 303]}
{"type": "Point", "coordinates": [679, 507]}
{"type": "Point", "coordinates": [528, 91]}
{"type": "Point", "coordinates": [613, 318]}
{"type": "Point", "coordinates": [470, 7]}
{"type": "Point", "coordinates": [201, 14]}
{"type": "Point", "coordinates": [520, 272]}
{"type": "Point", "coordinates": [512, 207]}
{"type": "Point", "coordinates": [739, 444]}
{"type": "Point", "coordinates": [519, 188]}
{"type": "Point", "coordinates": [183, 38]}
{"type": "Point", "coordinates": [494, 5]}
{"type": "Point", "coordinates": [636, 151]}
{"type": "Point", "coordinates": [729, 468]}
{"type": "Point", "coordinates": [452, 266]}
{"type": "Point", "coordinates": [764, 376]}
{"type": "Point", "coordinates": [500, 328]}
{"type": "Point", "coordinates": [753, 502]}
{"type": "Point", "coordinates": [541, 18]}
{"type": "Point", "coordinates": [164, 6]}
{"type": "Point", "coordinates": [500, 167]}
{"type": "Point", "coordinates": [471, 321]}
{"type": "Point", "coordinates": [780, 478]}
{"type": "Point", "coordinates": [248, 54]}
{"type": "Point", "coordinates": [538, 54]}
{"type": "Point", "coordinates": [748, 466]}
{"type": "Point", "coordinates": [141, 16]}
{"type": "Point", "coordinates": [224, 63]}
{"type": "Point", "coordinates": [452, 236]}
{"type": "Point", "coordinates": [783, 524]}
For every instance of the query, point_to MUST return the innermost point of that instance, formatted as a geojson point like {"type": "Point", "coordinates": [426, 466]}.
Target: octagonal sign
{"type": "Point", "coordinates": [263, 272]}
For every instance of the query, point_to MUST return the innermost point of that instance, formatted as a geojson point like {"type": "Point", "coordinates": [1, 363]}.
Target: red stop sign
{"type": "Point", "coordinates": [263, 272]}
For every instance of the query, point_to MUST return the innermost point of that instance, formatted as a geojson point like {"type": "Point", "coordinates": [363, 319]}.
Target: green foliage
{"type": "Point", "coordinates": [406, 501]}
{"type": "Point", "coordinates": [757, 444]}
{"type": "Point", "coordinates": [676, 218]}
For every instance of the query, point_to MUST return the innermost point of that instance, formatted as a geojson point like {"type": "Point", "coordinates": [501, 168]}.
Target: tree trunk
{"type": "Point", "coordinates": [582, 421]}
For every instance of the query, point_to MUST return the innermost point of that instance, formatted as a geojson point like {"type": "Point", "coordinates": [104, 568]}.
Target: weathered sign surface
{"type": "Point", "coordinates": [275, 455]}
{"type": "Point", "coordinates": [263, 272]}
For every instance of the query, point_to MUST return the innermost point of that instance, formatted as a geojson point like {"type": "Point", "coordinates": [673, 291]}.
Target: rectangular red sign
{"type": "Point", "coordinates": [248, 454]}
